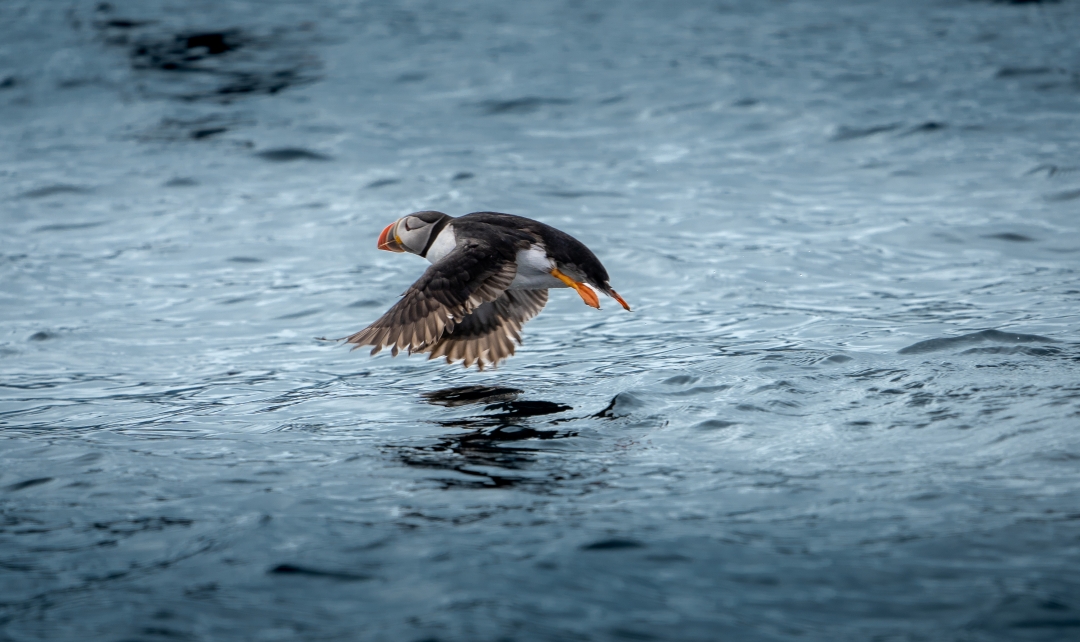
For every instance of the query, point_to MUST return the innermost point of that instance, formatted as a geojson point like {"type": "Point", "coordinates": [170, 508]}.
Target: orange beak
{"type": "Point", "coordinates": [388, 241]}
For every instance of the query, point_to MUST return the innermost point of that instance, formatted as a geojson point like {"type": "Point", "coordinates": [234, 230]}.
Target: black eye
{"type": "Point", "coordinates": [409, 228]}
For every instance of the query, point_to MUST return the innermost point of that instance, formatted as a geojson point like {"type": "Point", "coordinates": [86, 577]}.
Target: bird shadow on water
{"type": "Point", "coordinates": [491, 453]}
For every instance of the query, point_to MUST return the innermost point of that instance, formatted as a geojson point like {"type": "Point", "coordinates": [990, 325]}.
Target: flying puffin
{"type": "Point", "coordinates": [489, 274]}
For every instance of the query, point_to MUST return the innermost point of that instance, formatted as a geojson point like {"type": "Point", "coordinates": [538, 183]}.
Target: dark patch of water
{"type": "Point", "coordinates": [305, 571]}
{"type": "Point", "coordinates": [217, 65]}
{"type": "Point", "coordinates": [29, 483]}
{"type": "Point", "coordinates": [1050, 169]}
{"type": "Point", "coordinates": [1025, 350]}
{"type": "Point", "coordinates": [525, 105]}
{"type": "Point", "coordinates": [715, 424]}
{"type": "Point", "coordinates": [573, 194]}
{"type": "Point", "coordinates": [1010, 236]}
{"type": "Point", "coordinates": [952, 343]}
{"type": "Point", "coordinates": [1013, 72]}
{"type": "Point", "coordinates": [67, 227]}
{"type": "Point", "coordinates": [55, 190]}
{"type": "Point", "coordinates": [929, 126]}
{"type": "Point", "coordinates": [290, 154]}
{"type": "Point", "coordinates": [845, 133]}
{"type": "Point", "coordinates": [121, 23]}
{"type": "Point", "coordinates": [199, 134]}
{"type": "Point", "coordinates": [186, 51]}
{"type": "Point", "coordinates": [140, 524]}
{"type": "Point", "coordinates": [612, 545]}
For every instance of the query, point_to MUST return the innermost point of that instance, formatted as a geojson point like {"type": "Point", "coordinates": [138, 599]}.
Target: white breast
{"type": "Point", "coordinates": [534, 271]}
{"type": "Point", "coordinates": [444, 244]}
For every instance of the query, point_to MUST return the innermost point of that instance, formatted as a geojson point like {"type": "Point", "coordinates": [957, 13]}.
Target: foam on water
{"type": "Point", "coordinates": [844, 407]}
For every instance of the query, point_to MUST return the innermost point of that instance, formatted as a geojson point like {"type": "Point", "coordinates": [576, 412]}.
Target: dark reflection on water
{"type": "Point", "coordinates": [463, 395]}
{"type": "Point", "coordinates": [487, 455]}
{"type": "Point", "coordinates": [509, 412]}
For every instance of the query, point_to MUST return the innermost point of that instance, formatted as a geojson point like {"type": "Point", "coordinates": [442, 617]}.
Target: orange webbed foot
{"type": "Point", "coordinates": [624, 304]}
{"type": "Point", "coordinates": [586, 293]}
{"type": "Point", "coordinates": [588, 296]}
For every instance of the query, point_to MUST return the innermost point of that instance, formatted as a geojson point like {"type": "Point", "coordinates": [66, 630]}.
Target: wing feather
{"type": "Point", "coordinates": [487, 336]}
{"type": "Point", "coordinates": [472, 275]}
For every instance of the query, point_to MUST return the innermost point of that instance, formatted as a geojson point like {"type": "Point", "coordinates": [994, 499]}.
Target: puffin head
{"type": "Point", "coordinates": [413, 233]}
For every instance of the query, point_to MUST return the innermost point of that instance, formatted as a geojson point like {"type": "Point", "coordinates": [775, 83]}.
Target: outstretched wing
{"type": "Point", "coordinates": [447, 293]}
{"type": "Point", "coordinates": [487, 336]}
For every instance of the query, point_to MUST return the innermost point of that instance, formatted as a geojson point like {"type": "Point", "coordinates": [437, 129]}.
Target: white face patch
{"type": "Point", "coordinates": [413, 233]}
{"type": "Point", "coordinates": [444, 244]}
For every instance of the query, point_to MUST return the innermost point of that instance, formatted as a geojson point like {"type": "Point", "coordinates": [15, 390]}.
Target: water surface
{"type": "Point", "coordinates": [844, 407]}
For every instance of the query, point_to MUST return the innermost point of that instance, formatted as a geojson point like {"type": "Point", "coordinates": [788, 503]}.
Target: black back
{"type": "Point", "coordinates": [495, 227]}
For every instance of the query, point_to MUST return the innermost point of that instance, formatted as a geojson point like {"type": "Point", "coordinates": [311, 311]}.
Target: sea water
{"type": "Point", "coordinates": [846, 405]}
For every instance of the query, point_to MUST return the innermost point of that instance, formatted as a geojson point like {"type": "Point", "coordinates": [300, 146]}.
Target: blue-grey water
{"type": "Point", "coordinates": [846, 405]}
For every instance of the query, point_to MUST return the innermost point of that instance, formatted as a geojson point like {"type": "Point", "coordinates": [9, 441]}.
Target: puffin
{"type": "Point", "coordinates": [490, 273]}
